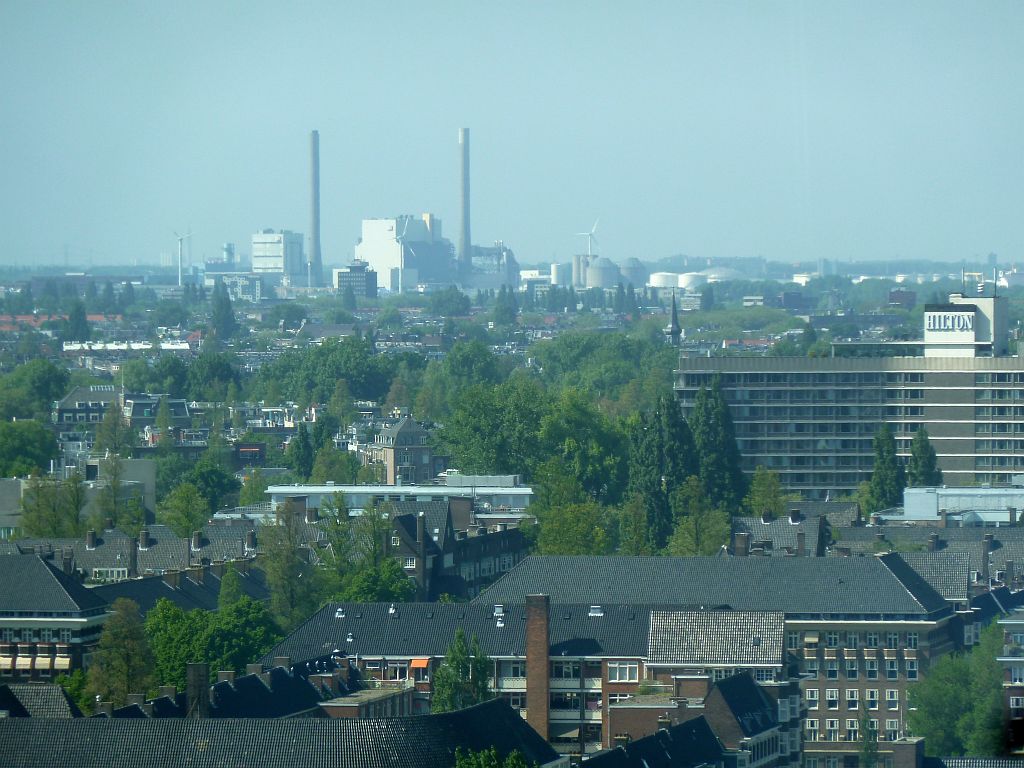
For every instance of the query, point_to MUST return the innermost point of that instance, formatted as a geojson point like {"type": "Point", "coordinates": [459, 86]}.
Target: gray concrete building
{"type": "Point", "coordinates": [813, 420]}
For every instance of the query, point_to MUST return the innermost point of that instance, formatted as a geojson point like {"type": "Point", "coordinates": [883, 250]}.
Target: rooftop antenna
{"type": "Point", "coordinates": [590, 238]}
{"type": "Point", "coordinates": [180, 238]}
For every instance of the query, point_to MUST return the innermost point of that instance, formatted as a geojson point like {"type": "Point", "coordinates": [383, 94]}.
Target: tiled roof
{"type": "Point", "coordinates": [428, 629]}
{"type": "Point", "coordinates": [740, 638]}
{"type": "Point", "coordinates": [949, 573]}
{"type": "Point", "coordinates": [425, 741]}
{"type": "Point", "coordinates": [188, 595]}
{"type": "Point", "coordinates": [836, 512]}
{"type": "Point", "coordinates": [794, 585]}
{"type": "Point", "coordinates": [781, 533]}
{"type": "Point", "coordinates": [29, 584]}
{"type": "Point", "coordinates": [972, 762]}
{"type": "Point", "coordinates": [45, 700]}
{"type": "Point", "coordinates": [685, 745]}
{"type": "Point", "coordinates": [8, 547]}
{"type": "Point", "coordinates": [249, 696]}
{"type": "Point", "coordinates": [753, 709]}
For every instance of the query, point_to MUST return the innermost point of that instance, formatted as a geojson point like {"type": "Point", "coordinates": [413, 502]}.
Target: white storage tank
{"type": "Point", "coordinates": [692, 280]}
{"type": "Point", "coordinates": [664, 280]}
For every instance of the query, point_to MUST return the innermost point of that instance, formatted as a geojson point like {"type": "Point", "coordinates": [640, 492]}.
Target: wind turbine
{"type": "Point", "coordinates": [590, 238]}
{"type": "Point", "coordinates": [400, 239]}
{"type": "Point", "coordinates": [180, 238]}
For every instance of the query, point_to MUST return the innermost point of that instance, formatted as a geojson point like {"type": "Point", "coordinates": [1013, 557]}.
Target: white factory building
{"type": "Point", "coordinates": [279, 253]}
{"type": "Point", "coordinates": [406, 251]}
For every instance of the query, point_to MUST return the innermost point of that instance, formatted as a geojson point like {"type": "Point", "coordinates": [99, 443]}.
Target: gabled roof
{"type": "Point", "coordinates": [754, 710]}
{"type": "Point", "coordinates": [428, 629]}
{"type": "Point", "coordinates": [687, 745]}
{"type": "Point", "coordinates": [44, 700]}
{"type": "Point", "coordinates": [781, 533]}
{"type": "Point", "coordinates": [793, 585]}
{"type": "Point", "coordinates": [425, 741]}
{"type": "Point", "coordinates": [29, 585]}
{"type": "Point", "coordinates": [188, 595]}
{"type": "Point", "coordinates": [737, 638]}
{"type": "Point", "coordinates": [949, 573]}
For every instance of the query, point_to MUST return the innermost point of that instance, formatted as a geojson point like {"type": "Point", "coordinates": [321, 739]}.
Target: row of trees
{"type": "Point", "coordinates": [889, 477]}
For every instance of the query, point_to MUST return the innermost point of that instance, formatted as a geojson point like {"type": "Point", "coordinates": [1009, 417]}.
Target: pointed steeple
{"type": "Point", "coordinates": [675, 331]}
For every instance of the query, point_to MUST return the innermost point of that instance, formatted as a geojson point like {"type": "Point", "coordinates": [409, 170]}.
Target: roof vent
{"type": "Point", "coordinates": [392, 610]}
{"type": "Point", "coordinates": [755, 641]}
{"type": "Point", "coordinates": [500, 622]}
{"type": "Point", "coordinates": [340, 613]}
{"type": "Point", "coordinates": [595, 610]}
{"type": "Point", "coordinates": [499, 610]}
{"type": "Point", "coordinates": [349, 638]}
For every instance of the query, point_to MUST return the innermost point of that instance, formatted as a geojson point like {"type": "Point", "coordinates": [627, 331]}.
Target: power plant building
{"type": "Point", "coordinates": [407, 251]}
{"type": "Point", "coordinates": [813, 420]}
{"type": "Point", "coordinates": [279, 256]}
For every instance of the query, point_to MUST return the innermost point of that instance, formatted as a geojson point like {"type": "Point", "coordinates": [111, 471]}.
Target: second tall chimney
{"type": "Point", "coordinates": [465, 241]}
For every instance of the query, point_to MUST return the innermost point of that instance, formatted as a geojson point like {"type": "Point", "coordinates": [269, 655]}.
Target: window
{"type": "Point", "coordinates": [1017, 675]}
{"type": "Point", "coordinates": [811, 667]}
{"type": "Point", "coordinates": [409, 562]}
{"type": "Point", "coordinates": [911, 639]}
{"type": "Point", "coordinates": [516, 668]}
{"type": "Point", "coordinates": [395, 541]}
{"type": "Point", "coordinates": [615, 698]}
{"type": "Point", "coordinates": [831, 639]}
{"type": "Point", "coordinates": [852, 698]}
{"type": "Point", "coordinates": [892, 698]}
{"type": "Point", "coordinates": [852, 639]}
{"type": "Point", "coordinates": [810, 731]}
{"type": "Point", "coordinates": [892, 729]}
{"type": "Point", "coordinates": [793, 640]}
{"type": "Point", "coordinates": [565, 670]}
{"type": "Point", "coordinates": [623, 671]}
{"type": "Point", "coordinates": [764, 675]}
{"type": "Point", "coordinates": [871, 669]}
{"type": "Point", "coordinates": [832, 730]}
{"type": "Point", "coordinates": [892, 669]}
{"type": "Point", "coordinates": [871, 695]}
{"type": "Point", "coordinates": [832, 698]}
{"type": "Point", "coordinates": [871, 640]}
{"type": "Point", "coordinates": [65, 635]}
{"type": "Point", "coordinates": [832, 669]}
{"type": "Point", "coordinates": [565, 700]}
{"type": "Point", "coordinates": [851, 730]}
{"type": "Point", "coordinates": [851, 669]}
{"type": "Point", "coordinates": [892, 640]}
{"type": "Point", "coordinates": [515, 700]}
{"type": "Point", "coordinates": [911, 669]}
{"type": "Point", "coordinates": [810, 762]}
{"type": "Point", "coordinates": [812, 698]}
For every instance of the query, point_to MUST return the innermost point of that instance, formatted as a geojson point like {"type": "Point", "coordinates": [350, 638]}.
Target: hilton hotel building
{"type": "Point", "coordinates": [812, 420]}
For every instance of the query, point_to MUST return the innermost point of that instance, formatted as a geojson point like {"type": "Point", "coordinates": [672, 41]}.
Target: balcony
{"type": "Point", "coordinates": [565, 684]}
{"type": "Point", "coordinates": [563, 715]}
{"type": "Point", "coordinates": [511, 683]}
{"type": "Point", "coordinates": [592, 683]}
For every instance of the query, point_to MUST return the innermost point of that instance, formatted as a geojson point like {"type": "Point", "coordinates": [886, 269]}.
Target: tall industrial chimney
{"type": "Point", "coordinates": [465, 243]}
{"type": "Point", "coordinates": [314, 265]}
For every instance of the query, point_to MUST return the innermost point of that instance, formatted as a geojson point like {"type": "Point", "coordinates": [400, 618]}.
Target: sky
{"type": "Point", "coordinates": [786, 129]}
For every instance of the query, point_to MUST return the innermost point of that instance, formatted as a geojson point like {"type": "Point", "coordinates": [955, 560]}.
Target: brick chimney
{"type": "Point", "coordinates": [620, 739]}
{"type": "Point", "coordinates": [742, 545]}
{"type": "Point", "coordinates": [144, 538]}
{"type": "Point", "coordinates": [197, 540]}
{"type": "Point", "coordinates": [986, 552]}
{"type": "Point", "coordinates": [1011, 573]}
{"type": "Point", "coordinates": [801, 543]}
{"type": "Point", "coordinates": [943, 518]}
{"type": "Point", "coordinates": [226, 676]}
{"type": "Point", "coordinates": [250, 541]}
{"type": "Point", "coordinates": [933, 542]}
{"type": "Point", "coordinates": [197, 689]}
{"type": "Point", "coordinates": [421, 556]}
{"type": "Point", "coordinates": [172, 578]}
{"type": "Point", "coordinates": [90, 539]}
{"type": "Point", "coordinates": [538, 663]}
{"type": "Point", "coordinates": [67, 560]}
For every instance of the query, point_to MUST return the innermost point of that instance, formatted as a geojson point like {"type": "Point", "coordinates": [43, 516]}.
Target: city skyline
{"type": "Point", "coordinates": [788, 130]}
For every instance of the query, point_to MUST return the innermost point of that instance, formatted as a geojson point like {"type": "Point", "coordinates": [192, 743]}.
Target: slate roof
{"type": "Point", "coordinates": [425, 741]}
{"type": "Point", "coordinates": [29, 585]}
{"type": "Point", "coordinates": [836, 512]}
{"type": "Point", "coordinates": [249, 696]}
{"type": "Point", "coordinates": [949, 573]}
{"type": "Point", "coordinates": [428, 629]}
{"type": "Point", "coordinates": [754, 710]}
{"type": "Point", "coordinates": [686, 745]}
{"type": "Point", "coordinates": [188, 595]}
{"type": "Point", "coordinates": [972, 762]}
{"type": "Point", "coordinates": [781, 533]}
{"type": "Point", "coordinates": [8, 547]}
{"type": "Point", "coordinates": [793, 585]}
{"type": "Point", "coordinates": [739, 638]}
{"type": "Point", "coordinates": [45, 700]}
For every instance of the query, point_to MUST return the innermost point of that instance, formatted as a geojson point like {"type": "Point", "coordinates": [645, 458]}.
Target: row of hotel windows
{"type": "Point", "coordinates": [44, 635]}
{"type": "Point", "coordinates": [836, 639]}
{"type": "Point", "coordinates": [892, 669]}
{"type": "Point", "coordinates": [999, 428]}
{"type": "Point", "coordinates": [812, 733]}
{"type": "Point", "coordinates": [892, 698]}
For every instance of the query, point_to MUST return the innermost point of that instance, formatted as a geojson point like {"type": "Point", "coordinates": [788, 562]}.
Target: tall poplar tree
{"type": "Point", "coordinates": [718, 457]}
{"type": "Point", "coordinates": [923, 468]}
{"type": "Point", "coordinates": [887, 478]}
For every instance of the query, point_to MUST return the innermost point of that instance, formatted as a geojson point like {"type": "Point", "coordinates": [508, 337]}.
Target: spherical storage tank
{"type": "Point", "coordinates": [603, 273]}
{"type": "Point", "coordinates": [634, 273]}
{"type": "Point", "coordinates": [691, 280]}
{"type": "Point", "coordinates": [664, 280]}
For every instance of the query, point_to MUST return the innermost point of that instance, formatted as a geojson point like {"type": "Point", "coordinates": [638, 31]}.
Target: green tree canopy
{"type": "Point", "coordinates": [52, 508]}
{"type": "Point", "coordinates": [230, 588]}
{"type": "Point", "coordinates": [887, 478]}
{"type": "Point", "coordinates": [300, 452]}
{"type": "Point", "coordinates": [122, 662]}
{"type": "Point", "coordinates": [766, 499]}
{"type": "Point", "coordinates": [923, 468]}
{"type": "Point", "coordinates": [700, 529]}
{"type": "Point", "coordinates": [184, 510]}
{"type": "Point", "coordinates": [719, 458]}
{"type": "Point", "coordinates": [462, 678]}
{"type": "Point", "coordinates": [574, 529]}
{"type": "Point", "coordinates": [114, 433]}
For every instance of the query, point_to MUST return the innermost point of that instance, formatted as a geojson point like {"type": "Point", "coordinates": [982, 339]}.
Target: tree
{"type": "Point", "coordinates": [505, 307]}
{"type": "Point", "coordinates": [719, 458]}
{"type": "Point", "coordinates": [230, 588]}
{"type": "Point", "coordinates": [122, 662]}
{"type": "Point", "coordinates": [165, 442]}
{"type": "Point", "coordinates": [385, 582]}
{"type": "Point", "coordinates": [120, 504]}
{"type": "Point", "coordinates": [76, 685]}
{"type": "Point", "coordinates": [214, 483]}
{"type": "Point", "coordinates": [240, 633]}
{"type": "Point", "coordinates": [114, 434]}
{"type": "Point", "coordinates": [647, 484]}
{"type": "Point", "coordinates": [700, 528]}
{"type": "Point", "coordinates": [26, 447]}
{"type": "Point", "coordinates": [291, 578]}
{"type": "Point", "coordinates": [461, 680]}
{"type": "Point", "coordinates": [77, 325]}
{"type": "Point", "coordinates": [254, 489]}
{"type": "Point", "coordinates": [300, 452]}
{"type": "Point", "coordinates": [765, 498]}
{"type": "Point", "coordinates": [52, 508]}
{"type": "Point", "coordinates": [348, 299]}
{"type": "Point", "coordinates": [184, 510]}
{"type": "Point", "coordinates": [488, 758]}
{"type": "Point", "coordinates": [868, 751]}
{"type": "Point", "coordinates": [177, 638]}
{"type": "Point", "coordinates": [575, 529]}
{"type": "Point", "coordinates": [450, 302]}
{"type": "Point", "coordinates": [887, 479]}
{"type": "Point", "coordinates": [923, 469]}
{"type": "Point", "coordinates": [222, 316]}
{"type": "Point", "coordinates": [332, 465]}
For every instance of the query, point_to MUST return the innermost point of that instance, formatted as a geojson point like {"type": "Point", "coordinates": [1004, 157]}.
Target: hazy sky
{"type": "Point", "coordinates": [787, 129]}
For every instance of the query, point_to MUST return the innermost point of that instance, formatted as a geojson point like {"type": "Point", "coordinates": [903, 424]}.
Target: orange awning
{"type": "Point", "coordinates": [419, 663]}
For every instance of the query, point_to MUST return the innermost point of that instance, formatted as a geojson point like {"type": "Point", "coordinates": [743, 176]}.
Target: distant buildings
{"type": "Point", "coordinates": [279, 256]}
{"type": "Point", "coordinates": [358, 276]}
{"type": "Point", "coordinates": [407, 250]}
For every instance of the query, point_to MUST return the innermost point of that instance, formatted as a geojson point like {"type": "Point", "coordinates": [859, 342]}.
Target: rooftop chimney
{"type": "Point", "coordinates": [197, 540]}
{"type": "Point", "coordinates": [144, 539]}
{"type": "Point", "coordinates": [250, 541]}
{"type": "Point", "coordinates": [933, 542]}
{"type": "Point", "coordinates": [538, 650]}
{"type": "Point", "coordinates": [465, 241]}
{"type": "Point", "coordinates": [197, 689]}
{"type": "Point", "coordinates": [801, 543]}
{"type": "Point", "coordinates": [742, 545]}
{"type": "Point", "coordinates": [314, 263]}
{"type": "Point", "coordinates": [90, 539]}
